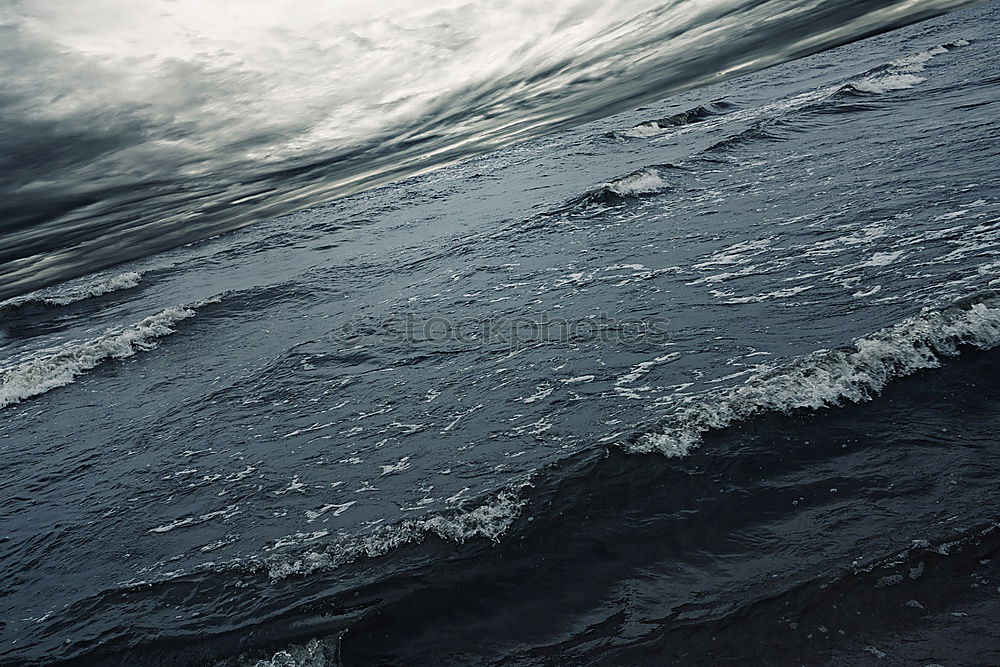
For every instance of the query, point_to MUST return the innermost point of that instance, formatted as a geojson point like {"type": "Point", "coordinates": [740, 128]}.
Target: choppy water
{"type": "Point", "coordinates": [712, 380]}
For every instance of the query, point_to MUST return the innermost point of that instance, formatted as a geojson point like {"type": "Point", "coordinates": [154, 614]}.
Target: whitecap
{"type": "Point", "coordinates": [38, 375]}
{"type": "Point", "coordinates": [65, 297]}
{"type": "Point", "coordinates": [854, 373]}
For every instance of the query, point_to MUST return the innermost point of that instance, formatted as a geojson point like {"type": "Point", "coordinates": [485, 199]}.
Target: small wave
{"type": "Point", "coordinates": [696, 115]}
{"type": "Point", "coordinates": [884, 84]}
{"type": "Point", "coordinates": [97, 288]}
{"type": "Point", "coordinates": [489, 520]}
{"type": "Point", "coordinates": [40, 375]}
{"type": "Point", "coordinates": [758, 132]}
{"type": "Point", "coordinates": [645, 182]}
{"type": "Point", "coordinates": [900, 74]}
{"type": "Point", "coordinates": [825, 378]}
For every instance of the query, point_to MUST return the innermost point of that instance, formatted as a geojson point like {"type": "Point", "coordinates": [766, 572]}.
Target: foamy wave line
{"type": "Point", "coordinates": [491, 521]}
{"type": "Point", "coordinates": [826, 378]}
{"type": "Point", "coordinates": [37, 376]}
{"type": "Point", "coordinates": [886, 83]}
{"type": "Point", "coordinates": [900, 74]}
{"type": "Point", "coordinates": [115, 283]}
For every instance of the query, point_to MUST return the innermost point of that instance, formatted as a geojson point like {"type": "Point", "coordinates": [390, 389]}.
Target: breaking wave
{"type": "Point", "coordinates": [40, 375]}
{"type": "Point", "coordinates": [886, 84]}
{"type": "Point", "coordinates": [645, 182]}
{"type": "Point", "coordinates": [825, 378]}
{"type": "Point", "coordinates": [489, 520]}
{"type": "Point", "coordinates": [52, 299]}
{"type": "Point", "coordinates": [900, 74]}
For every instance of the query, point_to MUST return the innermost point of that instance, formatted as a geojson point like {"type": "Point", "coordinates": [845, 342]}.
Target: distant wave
{"type": "Point", "coordinates": [50, 299]}
{"type": "Point", "coordinates": [827, 378]}
{"type": "Point", "coordinates": [40, 375]}
{"type": "Point", "coordinates": [696, 115]}
{"type": "Point", "coordinates": [900, 74]}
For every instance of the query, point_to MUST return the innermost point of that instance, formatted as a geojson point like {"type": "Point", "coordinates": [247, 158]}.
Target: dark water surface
{"type": "Point", "coordinates": [710, 382]}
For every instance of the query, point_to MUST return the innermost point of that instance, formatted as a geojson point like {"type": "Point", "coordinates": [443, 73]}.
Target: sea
{"type": "Point", "coordinates": [708, 377]}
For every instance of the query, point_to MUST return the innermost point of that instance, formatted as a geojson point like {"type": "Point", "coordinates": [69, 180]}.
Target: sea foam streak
{"type": "Point", "coordinates": [39, 375]}
{"type": "Point", "coordinates": [97, 288]}
{"type": "Point", "coordinates": [490, 520]}
{"type": "Point", "coordinates": [826, 378]}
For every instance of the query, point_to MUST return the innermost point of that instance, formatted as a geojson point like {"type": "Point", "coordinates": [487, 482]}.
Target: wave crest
{"type": "Point", "coordinates": [645, 182]}
{"type": "Point", "coordinates": [490, 520]}
{"type": "Point", "coordinates": [115, 283]}
{"type": "Point", "coordinates": [900, 74]}
{"type": "Point", "coordinates": [825, 378]}
{"type": "Point", "coordinates": [657, 126]}
{"type": "Point", "coordinates": [40, 375]}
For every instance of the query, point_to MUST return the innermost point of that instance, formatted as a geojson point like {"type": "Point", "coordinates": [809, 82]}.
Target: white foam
{"type": "Point", "coordinates": [312, 515]}
{"type": "Point", "coordinates": [39, 375]}
{"type": "Point", "coordinates": [314, 653]}
{"type": "Point", "coordinates": [194, 520]}
{"type": "Point", "coordinates": [644, 367]}
{"type": "Point", "coordinates": [828, 377]}
{"type": "Point", "coordinates": [542, 391]}
{"type": "Point", "coordinates": [887, 83]}
{"type": "Point", "coordinates": [643, 131]}
{"type": "Point", "coordinates": [884, 258]}
{"type": "Point", "coordinates": [490, 521]}
{"type": "Point", "coordinates": [642, 182]}
{"type": "Point", "coordinates": [758, 298]}
{"type": "Point", "coordinates": [403, 464]}
{"type": "Point", "coordinates": [121, 281]}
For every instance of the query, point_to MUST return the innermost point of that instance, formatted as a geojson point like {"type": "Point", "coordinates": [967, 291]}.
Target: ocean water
{"type": "Point", "coordinates": [708, 381]}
